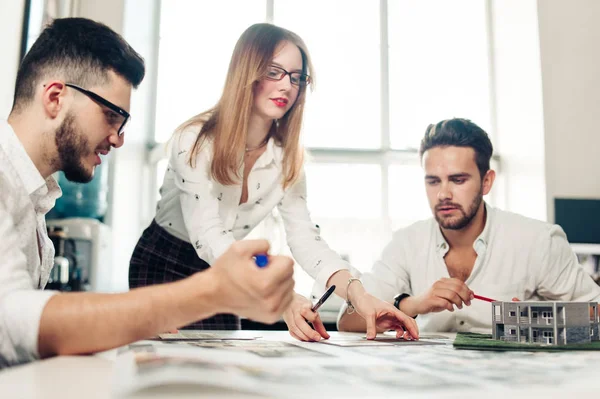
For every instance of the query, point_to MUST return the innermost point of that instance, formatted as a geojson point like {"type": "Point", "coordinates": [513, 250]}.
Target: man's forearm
{"type": "Point", "coordinates": [79, 323]}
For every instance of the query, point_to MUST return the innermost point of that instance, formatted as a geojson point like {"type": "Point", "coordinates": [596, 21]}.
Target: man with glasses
{"type": "Point", "coordinates": [71, 105]}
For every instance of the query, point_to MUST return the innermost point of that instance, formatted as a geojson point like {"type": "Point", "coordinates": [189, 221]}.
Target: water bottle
{"type": "Point", "coordinates": [88, 200]}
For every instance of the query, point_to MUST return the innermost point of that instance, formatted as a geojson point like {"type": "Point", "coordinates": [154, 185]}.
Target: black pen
{"type": "Point", "coordinates": [321, 301]}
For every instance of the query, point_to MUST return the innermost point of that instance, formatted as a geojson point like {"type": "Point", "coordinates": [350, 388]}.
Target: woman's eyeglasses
{"type": "Point", "coordinates": [296, 78]}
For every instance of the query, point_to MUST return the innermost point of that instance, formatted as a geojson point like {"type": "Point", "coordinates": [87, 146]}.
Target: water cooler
{"type": "Point", "coordinates": [83, 258]}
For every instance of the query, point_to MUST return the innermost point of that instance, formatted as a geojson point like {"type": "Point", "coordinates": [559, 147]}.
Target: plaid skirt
{"type": "Point", "coordinates": [160, 258]}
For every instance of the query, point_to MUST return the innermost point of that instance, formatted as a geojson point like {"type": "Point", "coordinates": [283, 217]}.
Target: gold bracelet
{"type": "Point", "coordinates": [351, 308]}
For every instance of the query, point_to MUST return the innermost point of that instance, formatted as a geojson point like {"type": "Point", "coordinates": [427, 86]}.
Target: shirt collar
{"type": "Point", "coordinates": [44, 198]}
{"type": "Point", "coordinates": [484, 237]}
{"type": "Point", "coordinates": [481, 241]}
{"type": "Point", "coordinates": [42, 192]}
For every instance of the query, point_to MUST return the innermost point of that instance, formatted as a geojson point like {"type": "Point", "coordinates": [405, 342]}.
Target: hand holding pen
{"type": "Point", "coordinates": [247, 289]}
{"type": "Point", "coordinates": [302, 312]}
{"type": "Point", "coordinates": [444, 294]}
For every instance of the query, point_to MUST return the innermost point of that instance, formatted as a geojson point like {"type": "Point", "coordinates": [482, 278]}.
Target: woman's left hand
{"type": "Point", "coordinates": [297, 316]}
{"type": "Point", "coordinates": [381, 316]}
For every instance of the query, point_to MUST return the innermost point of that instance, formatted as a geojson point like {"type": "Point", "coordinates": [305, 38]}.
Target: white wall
{"type": "Point", "coordinates": [570, 57]}
{"type": "Point", "coordinates": [11, 18]}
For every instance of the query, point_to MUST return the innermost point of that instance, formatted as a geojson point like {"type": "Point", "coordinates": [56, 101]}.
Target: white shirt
{"type": "Point", "coordinates": [516, 257]}
{"type": "Point", "coordinates": [197, 209]}
{"type": "Point", "coordinates": [26, 252]}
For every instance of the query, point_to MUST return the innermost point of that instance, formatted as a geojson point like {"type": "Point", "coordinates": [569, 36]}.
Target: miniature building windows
{"type": "Point", "coordinates": [512, 313]}
{"type": "Point", "coordinates": [547, 315]}
{"type": "Point", "coordinates": [512, 331]}
{"type": "Point", "coordinates": [534, 315]}
{"type": "Point", "coordinates": [548, 334]}
{"type": "Point", "coordinates": [524, 313]}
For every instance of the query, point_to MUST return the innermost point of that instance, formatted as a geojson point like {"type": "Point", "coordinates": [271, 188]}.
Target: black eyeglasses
{"type": "Point", "coordinates": [119, 117]}
{"type": "Point", "coordinates": [296, 78]}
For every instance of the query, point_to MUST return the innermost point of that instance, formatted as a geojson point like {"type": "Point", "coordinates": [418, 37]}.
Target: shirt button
{"type": "Point", "coordinates": [462, 323]}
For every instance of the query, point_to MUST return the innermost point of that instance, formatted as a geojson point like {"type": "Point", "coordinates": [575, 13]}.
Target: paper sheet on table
{"type": "Point", "coordinates": [202, 335]}
{"type": "Point", "coordinates": [383, 342]}
{"type": "Point", "coordinates": [387, 339]}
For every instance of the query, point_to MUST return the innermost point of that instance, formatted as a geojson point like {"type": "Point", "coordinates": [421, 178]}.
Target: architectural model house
{"type": "Point", "coordinates": [546, 323]}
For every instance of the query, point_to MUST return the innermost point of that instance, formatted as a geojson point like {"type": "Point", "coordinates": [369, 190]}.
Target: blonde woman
{"type": "Point", "coordinates": [230, 167]}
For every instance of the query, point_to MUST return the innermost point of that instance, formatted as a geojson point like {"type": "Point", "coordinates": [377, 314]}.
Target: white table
{"type": "Point", "coordinates": [92, 376]}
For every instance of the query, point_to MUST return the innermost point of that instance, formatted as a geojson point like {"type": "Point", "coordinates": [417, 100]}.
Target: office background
{"type": "Point", "coordinates": [527, 71]}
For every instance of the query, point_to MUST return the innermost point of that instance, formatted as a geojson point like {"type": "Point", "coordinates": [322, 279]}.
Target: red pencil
{"type": "Point", "coordinates": [482, 298]}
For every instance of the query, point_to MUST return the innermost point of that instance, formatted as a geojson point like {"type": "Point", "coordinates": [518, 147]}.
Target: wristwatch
{"type": "Point", "coordinates": [398, 298]}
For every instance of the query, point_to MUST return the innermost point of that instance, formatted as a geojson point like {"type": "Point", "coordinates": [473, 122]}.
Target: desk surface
{"type": "Point", "coordinates": [410, 370]}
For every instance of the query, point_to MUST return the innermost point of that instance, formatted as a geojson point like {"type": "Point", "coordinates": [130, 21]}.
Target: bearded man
{"type": "Point", "coordinates": [434, 267]}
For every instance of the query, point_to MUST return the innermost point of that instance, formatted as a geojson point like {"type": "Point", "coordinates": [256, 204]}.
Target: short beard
{"type": "Point", "coordinates": [467, 217]}
{"type": "Point", "coordinates": [72, 147]}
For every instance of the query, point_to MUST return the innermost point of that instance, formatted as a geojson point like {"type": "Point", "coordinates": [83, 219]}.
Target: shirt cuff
{"type": "Point", "coordinates": [20, 317]}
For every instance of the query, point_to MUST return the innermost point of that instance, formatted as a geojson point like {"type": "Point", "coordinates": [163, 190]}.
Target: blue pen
{"type": "Point", "coordinates": [261, 260]}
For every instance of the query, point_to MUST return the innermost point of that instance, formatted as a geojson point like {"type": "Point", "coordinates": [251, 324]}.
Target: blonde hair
{"type": "Point", "coordinates": [227, 123]}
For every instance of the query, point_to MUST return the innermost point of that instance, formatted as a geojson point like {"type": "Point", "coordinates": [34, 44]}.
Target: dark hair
{"type": "Point", "coordinates": [460, 133]}
{"type": "Point", "coordinates": [80, 51]}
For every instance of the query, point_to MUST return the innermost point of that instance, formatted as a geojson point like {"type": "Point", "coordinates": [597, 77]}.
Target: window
{"type": "Point", "coordinates": [512, 313]}
{"type": "Point", "coordinates": [338, 115]}
{"type": "Point", "coordinates": [407, 191]}
{"type": "Point", "coordinates": [512, 331]}
{"type": "Point", "coordinates": [427, 82]}
{"type": "Point", "coordinates": [534, 315]}
{"type": "Point", "coordinates": [196, 41]}
{"type": "Point", "coordinates": [39, 12]}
